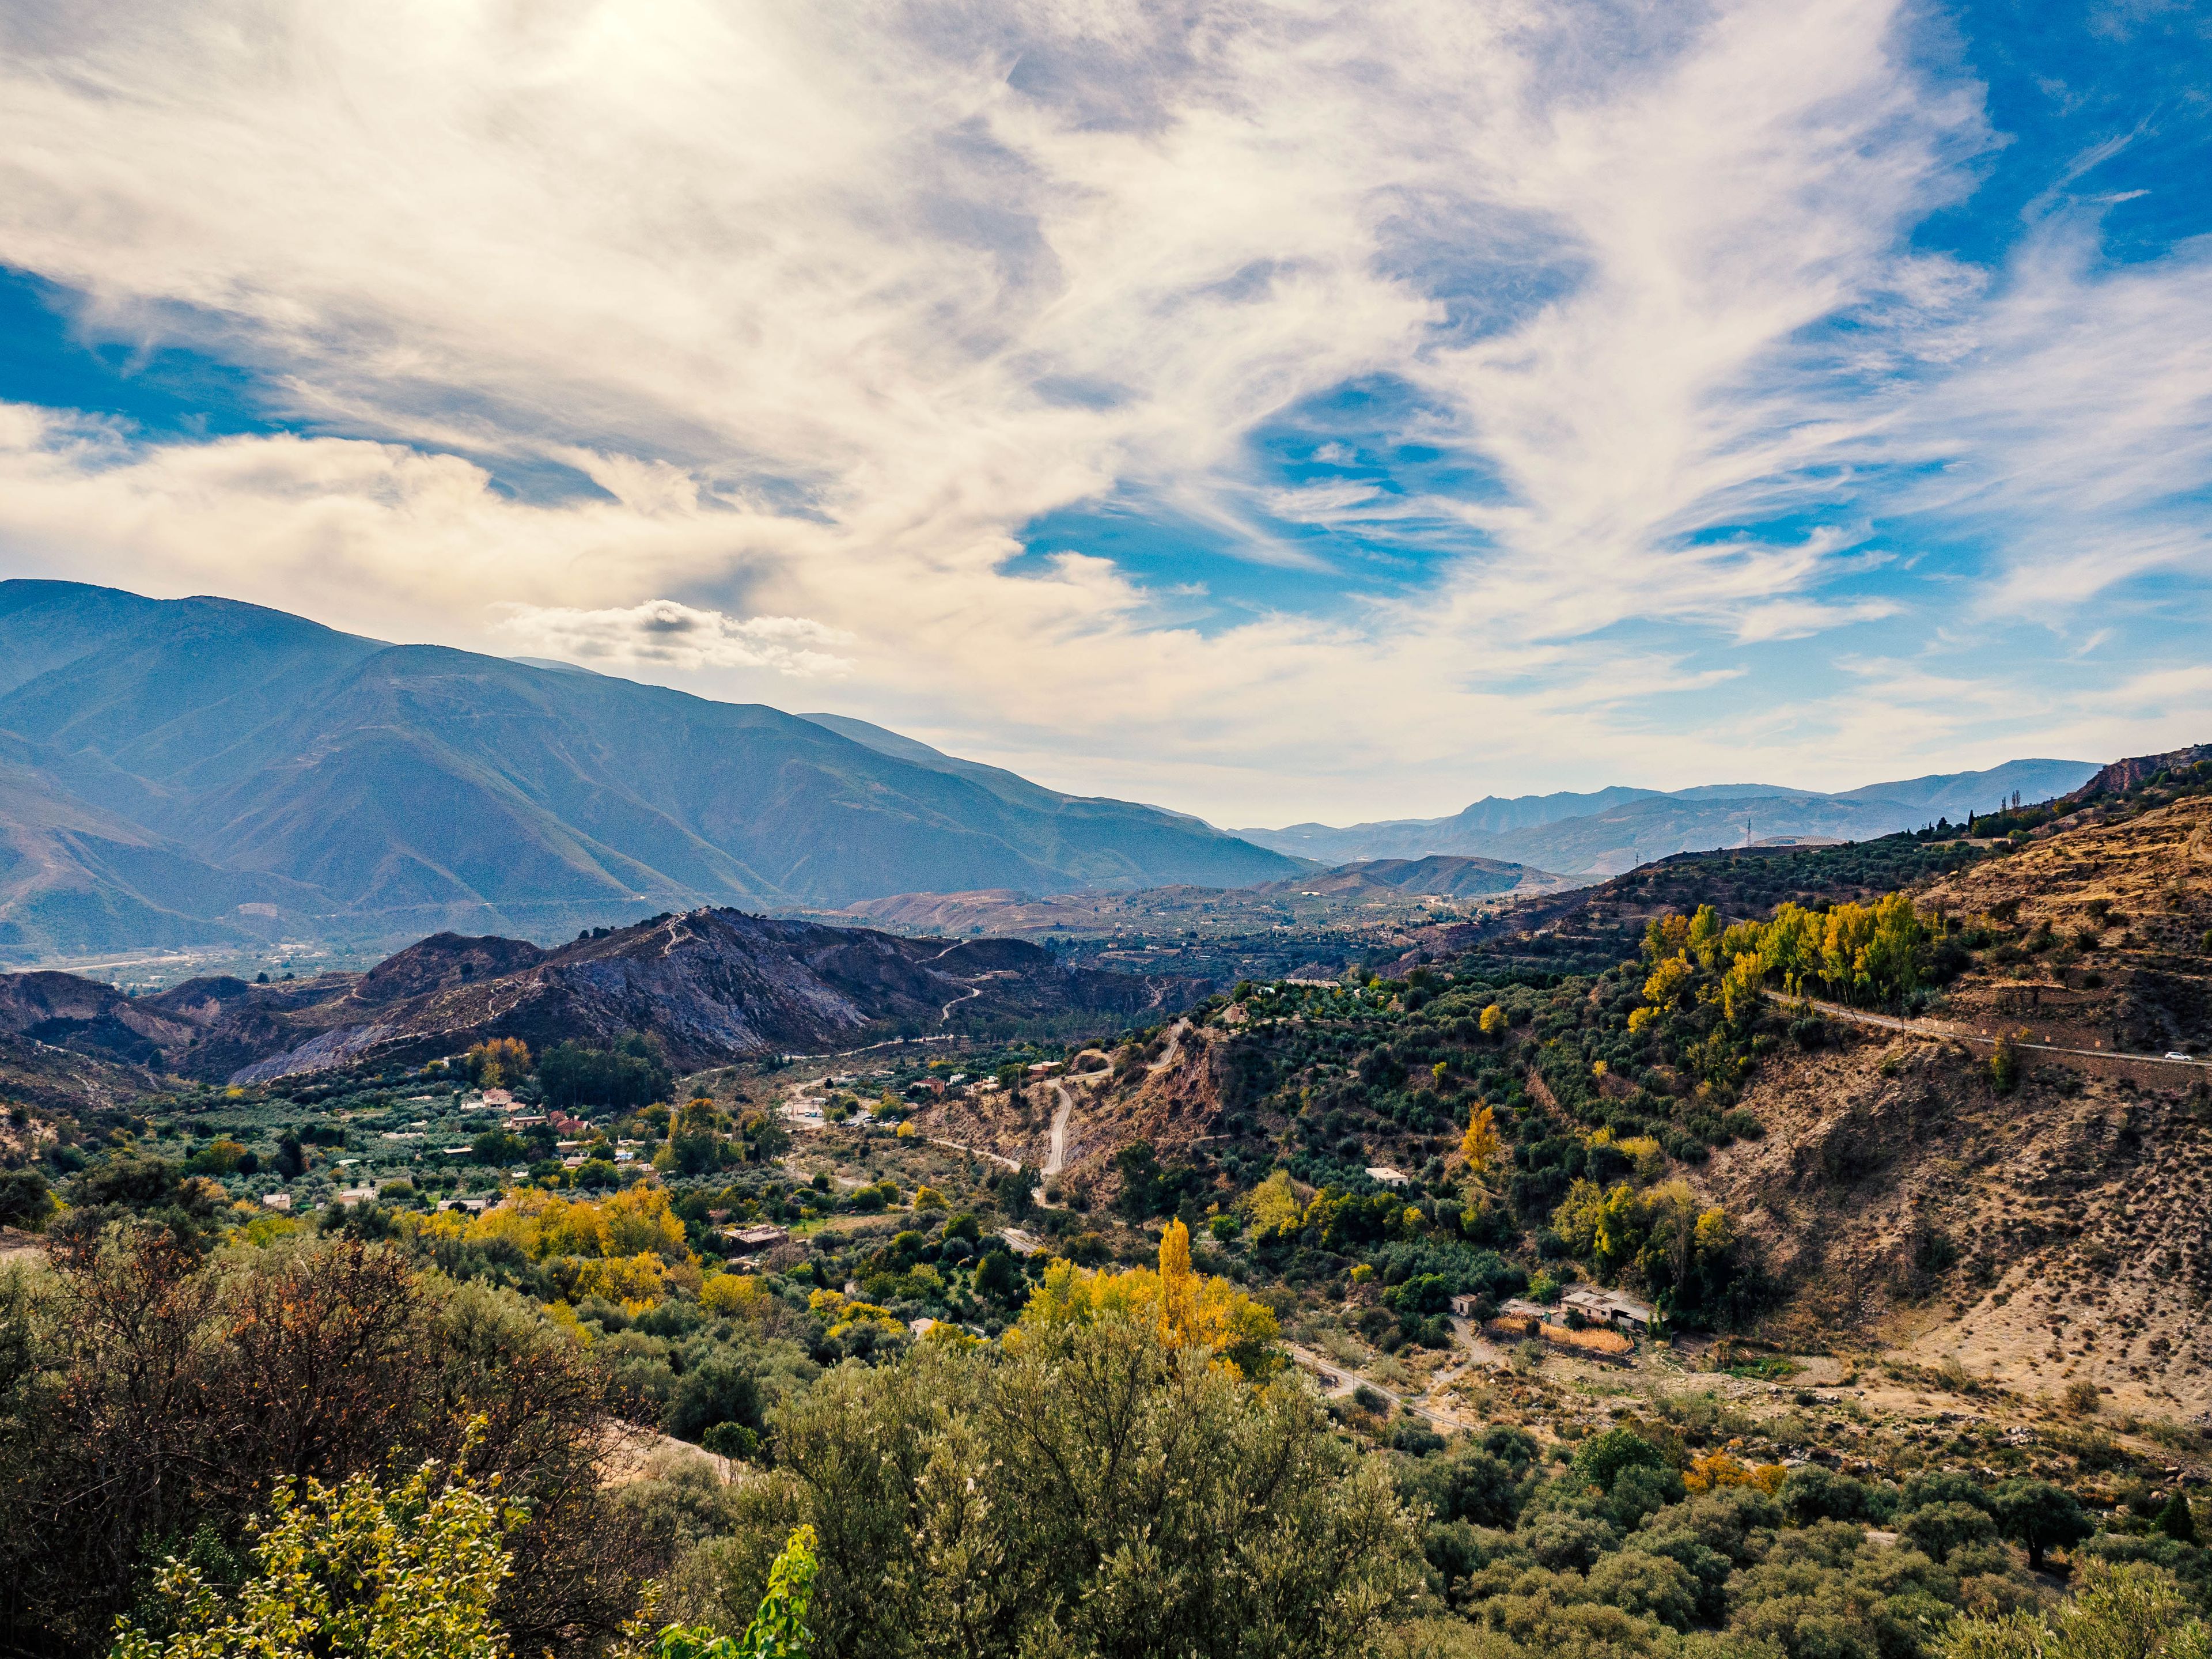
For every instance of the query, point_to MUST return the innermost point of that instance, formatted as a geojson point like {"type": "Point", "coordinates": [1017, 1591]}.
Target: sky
{"type": "Point", "coordinates": [1275, 412]}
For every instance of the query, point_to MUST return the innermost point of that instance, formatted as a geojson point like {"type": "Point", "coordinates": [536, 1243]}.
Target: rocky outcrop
{"type": "Point", "coordinates": [2125, 774]}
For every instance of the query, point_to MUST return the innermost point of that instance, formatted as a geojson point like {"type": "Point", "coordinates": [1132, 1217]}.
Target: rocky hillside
{"type": "Point", "coordinates": [1165, 1087]}
{"type": "Point", "coordinates": [712, 986]}
{"type": "Point", "coordinates": [1891, 1183]}
{"type": "Point", "coordinates": [2056, 1230]}
{"type": "Point", "coordinates": [2050, 1234]}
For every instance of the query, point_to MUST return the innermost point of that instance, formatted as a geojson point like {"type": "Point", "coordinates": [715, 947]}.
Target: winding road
{"type": "Point", "coordinates": [1055, 1156]}
{"type": "Point", "coordinates": [1945, 1031]}
{"type": "Point", "coordinates": [973, 1151]}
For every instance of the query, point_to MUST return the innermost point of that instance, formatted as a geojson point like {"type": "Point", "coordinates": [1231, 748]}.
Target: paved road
{"type": "Point", "coordinates": [1945, 1030]}
{"type": "Point", "coordinates": [895, 1043]}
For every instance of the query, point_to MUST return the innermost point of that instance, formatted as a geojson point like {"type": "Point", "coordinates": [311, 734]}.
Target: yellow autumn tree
{"type": "Point", "coordinates": [1668, 982]}
{"type": "Point", "coordinates": [540, 1225]}
{"type": "Point", "coordinates": [500, 1061]}
{"type": "Point", "coordinates": [1481, 1146]}
{"type": "Point", "coordinates": [1274, 1205]}
{"type": "Point", "coordinates": [1179, 1287]}
{"type": "Point", "coordinates": [1741, 990]}
{"type": "Point", "coordinates": [1665, 936]}
{"type": "Point", "coordinates": [1190, 1308]}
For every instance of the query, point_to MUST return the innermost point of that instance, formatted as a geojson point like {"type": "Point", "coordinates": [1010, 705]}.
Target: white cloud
{"type": "Point", "coordinates": [1796, 619]}
{"type": "Point", "coordinates": [662, 633]}
{"type": "Point", "coordinates": [829, 303]}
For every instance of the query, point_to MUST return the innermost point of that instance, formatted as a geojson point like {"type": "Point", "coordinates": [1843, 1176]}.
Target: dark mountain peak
{"type": "Point", "coordinates": [443, 962]}
{"type": "Point", "coordinates": [30, 1000]}
{"type": "Point", "coordinates": [712, 985]}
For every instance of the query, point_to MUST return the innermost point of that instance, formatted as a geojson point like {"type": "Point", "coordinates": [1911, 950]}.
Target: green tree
{"type": "Point", "coordinates": [2176, 1522]}
{"type": "Point", "coordinates": [1093, 1490]}
{"type": "Point", "coordinates": [497, 1147]}
{"type": "Point", "coordinates": [127, 1185]}
{"type": "Point", "coordinates": [2131, 1612]}
{"type": "Point", "coordinates": [2004, 1066]}
{"type": "Point", "coordinates": [1601, 1459]}
{"type": "Point", "coordinates": [629, 1075]}
{"type": "Point", "coordinates": [996, 1276]}
{"type": "Point", "coordinates": [2041, 1516]}
{"type": "Point", "coordinates": [351, 1570]}
{"type": "Point", "coordinates": [1939, 1529]}
{"type": "Point", "coordinates": [778, 1630]}
{"type": "Point", "coordinates": [25, 1201]}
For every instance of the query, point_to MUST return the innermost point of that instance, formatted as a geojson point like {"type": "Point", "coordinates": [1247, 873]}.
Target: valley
{"type": "Point", "coordinates": [1897, 1151]}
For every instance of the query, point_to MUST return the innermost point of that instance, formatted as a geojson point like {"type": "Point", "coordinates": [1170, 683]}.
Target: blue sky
{"type": "Point", "coordinates": [1276, 412]}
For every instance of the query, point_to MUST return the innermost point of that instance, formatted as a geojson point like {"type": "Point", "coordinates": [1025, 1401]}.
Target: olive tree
{"type": "Point", "coordinates": [1095, 1490]}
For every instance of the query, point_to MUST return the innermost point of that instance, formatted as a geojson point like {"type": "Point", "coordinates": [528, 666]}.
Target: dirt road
{"type": "Point", "coordinates": [1173, 1052]}
{"type": "Point", "coordinates": [1055, 1156]}
{"type": "Point", "coordinates": [1346, 1381]}
{"type": "Point", "coordinates": [1944, 1031]}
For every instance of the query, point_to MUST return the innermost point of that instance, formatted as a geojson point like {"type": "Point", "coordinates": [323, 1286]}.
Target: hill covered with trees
{"type": "Point", "coordinates": [1305, 1323]}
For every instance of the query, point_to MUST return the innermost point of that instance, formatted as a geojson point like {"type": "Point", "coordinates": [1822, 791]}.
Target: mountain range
{"type": "Point", "coordinates": [1606, 831]}
{"type": "Point", "coordinates": [200, 772]}
{"type": "Point", "coordinates": [710, 985]}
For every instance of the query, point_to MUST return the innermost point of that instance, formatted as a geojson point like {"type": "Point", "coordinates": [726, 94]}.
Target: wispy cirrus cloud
{"type": "Point", "coordinates": [662, 633]}
{"type": "Point", "coordinates": [663, 336]}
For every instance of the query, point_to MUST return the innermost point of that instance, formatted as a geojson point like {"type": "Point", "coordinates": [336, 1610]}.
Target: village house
{"type": "Point", "coordinates": [756, 1237]}
{"type": "Point", "coordinates": [1615, 1308]}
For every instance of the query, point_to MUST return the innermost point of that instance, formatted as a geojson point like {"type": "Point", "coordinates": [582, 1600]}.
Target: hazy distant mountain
{"type": "Point", "coordinates": [175, 772]}
{"type": "Point", "coordinates": [1468, 832]}
{"type": "Point", "coordinates": [1438, 876]}
{"type": "Point", "coordinates": [1610, 830]}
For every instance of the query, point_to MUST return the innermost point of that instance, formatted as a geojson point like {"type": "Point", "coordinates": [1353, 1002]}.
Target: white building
{"type": "Point", "coordinates": [1615, 1308]}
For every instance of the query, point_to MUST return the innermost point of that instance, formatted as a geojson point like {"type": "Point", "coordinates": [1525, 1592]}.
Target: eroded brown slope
{"type": "Point", "coordinates": [2060, 1232]}
{"type": "Point", "coordinates": [2054, 1234]}
{"type": "Point", "coordinates": [2107, 940]}
{"type": "Point", "coordinates": [1168, 1093]}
